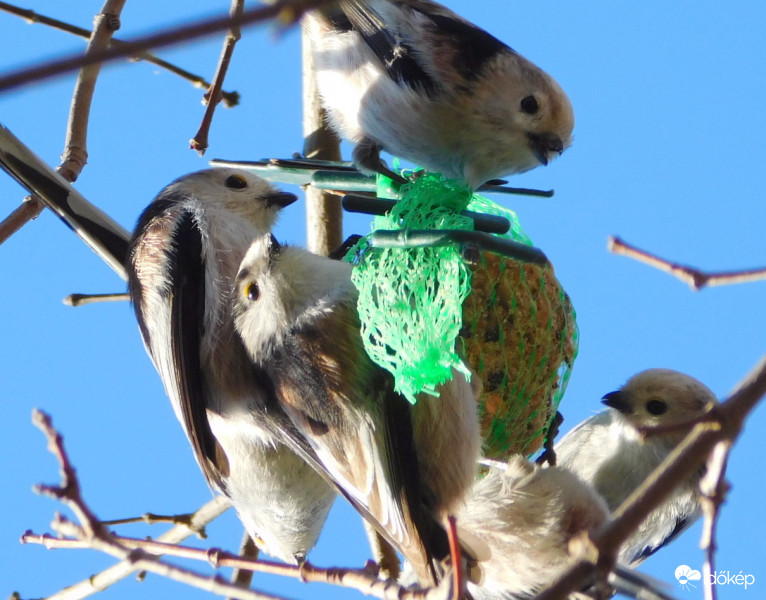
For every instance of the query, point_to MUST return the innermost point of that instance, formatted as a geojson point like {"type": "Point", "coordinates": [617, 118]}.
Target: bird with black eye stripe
{"type": "Point", "coordinates": [415, 79]}
{"type": "Point", "coordinates": [183, 259]}
{"type": "Point", "coordinates": [608, 452]}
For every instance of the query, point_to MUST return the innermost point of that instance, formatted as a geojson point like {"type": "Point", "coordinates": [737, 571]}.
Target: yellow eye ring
{"type": "Point", "coordinates": [252, 291]}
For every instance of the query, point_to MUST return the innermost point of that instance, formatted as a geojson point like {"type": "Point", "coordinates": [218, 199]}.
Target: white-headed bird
{"type": "Point", "coordinates": [415, 79]}
{"type": "Point", "coordinates": [608, 451]}
{"type": "Point", "coordinates": [183, 259]}
{"type": "Point", "coordinates": [403, 467]}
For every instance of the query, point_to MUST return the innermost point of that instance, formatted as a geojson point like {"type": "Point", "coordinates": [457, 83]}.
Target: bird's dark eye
{"type": "Point", "coordinates": [529, 105]}
{"type": "Point", "coordinates": [235, 182]}
{"type": "Point", "coordinates": [252, 291]}
{"type": "Point", "coordinates": [656, 407]}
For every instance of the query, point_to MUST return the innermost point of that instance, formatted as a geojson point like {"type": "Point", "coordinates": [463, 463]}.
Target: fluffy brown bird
{"type": "Point", "coordinates": [415, 79]}
{"type": "Point", "coordinates": [403, 467]}
{"type": "Point", "coordinates": [608, 452]}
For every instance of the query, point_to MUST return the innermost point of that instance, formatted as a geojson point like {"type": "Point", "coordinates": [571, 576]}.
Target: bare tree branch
{"type": "Point", "coordinates": [692, 276]}
{"type": "Point", "coordinates": [229, 98]}
{"type": "Point", "coordinates": [287, 12]}
{"type": "Point", "coordinates": [364, 580]}
{"type": "Point", "coordinates": [714, 489]}
{"type": "Point", "coordinates": [68, 492]}
{"type": "Point", "coordinates": [249, 550]}
{"type": "Point", "coordinates": [153, 519]}
{"type": "Point", "coordinates": [324, 215]}
{"type": "Point", "coordinates": [213, 95]}
{"type": "Point", "coordinates": [83, 299]}
{"type": "Point", "coordinates": [92, 531]}
{"type": "Point", "coordinates": [723, 426]}
{"type": "Point", "coordinates": [144, 554]}
{"type": "Point", "coordinates": [76, 150]}
{"type": "Point", "coordinates": [26, 211]}
{"type": "Point", "coordinates": [119, 571]}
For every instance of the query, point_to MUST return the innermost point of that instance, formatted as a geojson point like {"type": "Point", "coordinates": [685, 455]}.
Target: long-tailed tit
{"type": "Point", "coordinates": [419, 81]}
{"type": "Point", "coordinates": [519, 522]}
{"type": "Point", "coordinates": [98, 230]}
{"type": "Point", "coordinates": [403, 467]}
{"type": "Point", "coordinates": [608, 452]}
{"type": "Point", "coordinates": [183, 259]}
{"type": "Point", "coordinates": [523, 523]}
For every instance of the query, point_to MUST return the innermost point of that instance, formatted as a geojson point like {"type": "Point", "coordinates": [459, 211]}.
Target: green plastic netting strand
{"type": "Point", "coordinates": [410, 299]}
{"type": "Point", "coordinates": [424, 309]}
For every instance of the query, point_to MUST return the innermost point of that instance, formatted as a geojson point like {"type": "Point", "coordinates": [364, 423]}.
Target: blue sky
{"type": "Point", "coordinates": [669, 101]}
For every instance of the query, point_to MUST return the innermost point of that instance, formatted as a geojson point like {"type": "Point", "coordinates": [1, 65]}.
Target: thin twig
{"type": "Point", "coordinates": [91, 530]}
{"type": "Point", "coordinates": [144, 554]}
{"type": "Point", "coordinates": [119, 571]}
{"type": "Point", "coordinates": [216, 584]}
{"type": "Point", "coordinates": [229, 98]}
{"type": "Point", "coordinates": [459, 583]}
{"type": "Point", "coordinates": [75, 147]}
{"type": "Point", "coordinates": [247, 549]}
{"type": "Point", "coordinates": [83, 299]}
{"type": "Point", "coordinates": [724, 425]}
{"type": "Point", "coordinates": [364, 580]}
{"type": "Point", "coordinates": [213, 95]}
{"type": "Point", "coordinates": [286, 12]}
{"type": "Point", "coordinates": [68, 492]}
{"type": "Point", "coordinates": [692, 276]}
{"type": "Point", "coordinates": [713, 488]}
{"type": "Point", "coordinates": [76, 150]}
{"type": "Point", "coordinates": [153, 519]}
{"type": "Point", "coordinates": [26, 211]}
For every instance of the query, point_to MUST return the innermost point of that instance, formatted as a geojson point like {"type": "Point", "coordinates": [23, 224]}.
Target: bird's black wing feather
{"type": "Point", "coordinates": [395, 55]}
{"type": "Point", "coordinates": [469, 47]}
{"type": "Point", "coordinates": [646, 552]}
{"type": "Point", "coordinates": [185, 294]}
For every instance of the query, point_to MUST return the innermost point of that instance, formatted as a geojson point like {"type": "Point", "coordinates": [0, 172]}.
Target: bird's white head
{"type": "Point", "coordinates": [235, 190]}
{"type": "Point", "coordinates": [658, 397]}
{"type": "Point", "coordinates": [280, 288]}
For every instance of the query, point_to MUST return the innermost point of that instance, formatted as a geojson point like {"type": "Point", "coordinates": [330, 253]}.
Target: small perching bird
{"type": "Point", "coordinates": [519, 522]}
{"type": "Point", "coordinates": [403, 467]}
{"type": "Point", "coordinates": [524, 526]}
{"type": "Point", "coordinates": [183, 259]}
{"type": "Point", "coordinates": [608, 451]}
{"type": "Point", "coordinates": [415, 79]}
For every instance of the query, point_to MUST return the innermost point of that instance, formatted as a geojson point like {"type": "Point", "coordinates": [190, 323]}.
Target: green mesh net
{"type": "Point", "coordinates": [425, 311]}
{"type": "Point", "coordinates": [410, 299]}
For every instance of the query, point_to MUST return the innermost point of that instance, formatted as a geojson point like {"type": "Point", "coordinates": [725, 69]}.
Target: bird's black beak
{"type": "Point", "coordinates": [274, 246]}
{"type": "Point", "coordinates": [617, 401]}
{"type": "Point", "coordinates": [280, 199]}
{"type": "Point", "coordinates": [544, 143]}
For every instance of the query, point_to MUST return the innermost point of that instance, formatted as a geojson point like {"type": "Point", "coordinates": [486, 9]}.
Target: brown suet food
{"type": "Point", "coordinates": [519, 335]}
